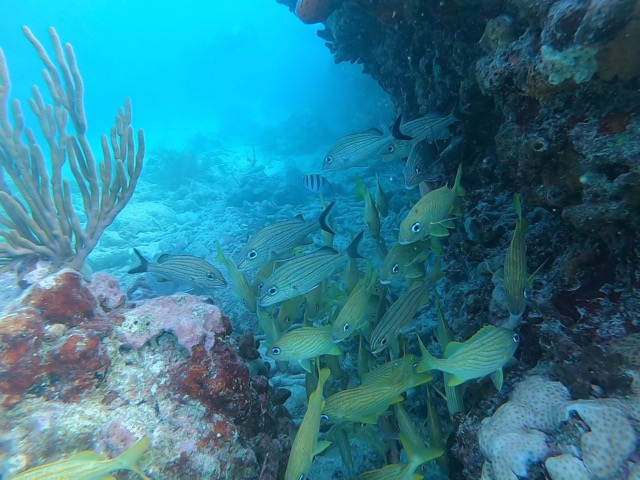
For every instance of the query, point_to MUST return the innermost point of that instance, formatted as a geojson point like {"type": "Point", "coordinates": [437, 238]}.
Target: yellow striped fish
{"type": "Point", "coordinates": [371, 215]}
{"type": "Point", "coordinates": [303, 344]}
{"type": "Point", "coordinates": [422, 156]}
{"type": "Point", "coordinates": [302, 274]}
{"type": "Point", "coordinates": [430, 127]}
{"type": "Point", "coordinates": [305, 444]}
{"type": "Point", "coordinates": [398, 316]}
{"type": "Point", "coordinates": [239, 283]}
{"type": "Point", "coordinates": [413, 437]}
{"type": "Point", "coordinates": [434, 428]}
{"type": "Point", "coordinates": [515, 277]}
{"type": "Point", "coordinates": [353, 315]}
{"type": "Point", "coordinates": [353, 150]}
{"type": "Point", "coordinates": [366, 403]}
{"type": "Point", "coordinates": [483, 354]}
{"type": "Point", "coordinates": [261, 276]}
{"type": "Point", "coordinates": [279, 239]}
{"type": "Point", "coordinates": [184, 268]}
{"type": "Point", "coordinates": [89, 465]}
{"type": "Point", "coordinates": [404, 261]}
{"type": "Point", "coordinates": [289, 312]}
{"type": "Point", "coordinates": [432, 214]}
{"type": "Point", "coordinates": [388, 370]}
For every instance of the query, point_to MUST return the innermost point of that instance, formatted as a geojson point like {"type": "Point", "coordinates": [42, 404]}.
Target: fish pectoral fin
{"type": "Point", "coordinates": [322, 446]}
{"type": "Point", "coordinates": [497, 378]}
{"type": "Point", "coordinates": [438, 230]}
{"type": "Point", "coordinates": [447, 223]}
{"type": "Point", "coordinates": [335, 350]}
{"type": "Point", "coordinates": [455, 380]}
{"type": "Point", "coordinates": [422, 378]}
{"type": "Point", "coordinates": [306, 364]}
{"type": "Point", "coordinates": [398, 399]}
{"type": "Point", "coordinates": [371, 419]}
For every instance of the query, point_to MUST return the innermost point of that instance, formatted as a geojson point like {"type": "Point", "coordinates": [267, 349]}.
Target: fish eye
{"type": "Point", "coordinates": [516, 338]}
{"type": "Point", "coordinates": [329, 159]}
{"type": "Point", "coordinates": [418, 170]}
{"type": "Point", "coordinates": [301, 477]}
{"type": "Point", "coordinates": [345, 328]}
{"type": "Point", "coordinates": [390, 148]}
{"type": "Point", "coordinates": [415, 228]}
{"type": "Point", "coordinates": [415, 364]}
{"type": "Point", "coordinates": [287, 319]}
{"type": "Point", "coordinates": [211, 276]}
{"type": "Point", "coordinates": [276, 351]}
{"type": "Point", "coordinates": [273, 290]}
{"type": "Point", "coordinates": [252, 254]}
{"type": "Point", "coordinates": [396, 268]}
{"type": "Point", "coordinates": [324, 417]}
{"type": "Point", "coordinates": [260, 285]}
{"type": "Point", "coordinates": [383, 341]}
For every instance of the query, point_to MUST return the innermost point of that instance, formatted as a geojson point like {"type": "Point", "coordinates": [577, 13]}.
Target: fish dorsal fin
{"type": "Point", "coordinates": [86, 456]}
{"type": "Point", "coordinates": [452, 348]}
{"type": "Point", "coordinates": [164, 257]}
{"type": "Point", "coordinates": [374, 131]}
{"type": "Point", "coordinates": [299, 217]}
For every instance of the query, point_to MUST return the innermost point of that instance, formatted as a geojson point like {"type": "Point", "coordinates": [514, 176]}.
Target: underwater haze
{"type": "Point", "coordinates": [320, 239]}
{"type": "Point", "coordinates": [239, 70]}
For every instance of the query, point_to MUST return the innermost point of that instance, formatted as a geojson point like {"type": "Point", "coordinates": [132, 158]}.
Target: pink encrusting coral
{"type": "Point", "coordinates": [179, 380]}
{"type": "Point", "coordinates": [189, 318]}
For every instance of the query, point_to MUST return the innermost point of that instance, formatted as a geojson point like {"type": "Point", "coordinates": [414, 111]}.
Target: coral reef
{"type": "Point", "coordinates": [81, 368]}
{"type": "Point", "coordinates": [551, 109]}
{"type": "Point", "coordinates": [39, 218]}
{"type": "Point", "coordinates": [582, 439]}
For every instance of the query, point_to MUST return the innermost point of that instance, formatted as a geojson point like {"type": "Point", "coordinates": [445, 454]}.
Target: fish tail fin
{"type": "Point", "coordinates": [128, 459]}
{"type": "Point", "coordinates": [323, 375]}
{"type": "Point", "coordinates": [220, 254]}
{"type": "Point", "coordinates": [397, 132]}
{"type": "Point", "coordinates": [323, 219]}
{"type": "Point", "coordinates": [144, 264]}
{"type": "Point", "coordinates": [427, 361]}
{"type": "Point", "coordinates": [457, 186]}
{"type": "Point", "coordinates": [352, 249]}
{"type": "Point", "coordinates": [418, 454]}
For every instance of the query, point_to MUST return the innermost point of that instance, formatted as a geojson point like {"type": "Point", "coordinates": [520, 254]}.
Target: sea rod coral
{"type": "Point", "coordinates": [38, 218]}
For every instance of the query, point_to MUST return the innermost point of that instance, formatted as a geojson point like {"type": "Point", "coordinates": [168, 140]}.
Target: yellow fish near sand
{"type": "Point", "coordinates": [89, 465]}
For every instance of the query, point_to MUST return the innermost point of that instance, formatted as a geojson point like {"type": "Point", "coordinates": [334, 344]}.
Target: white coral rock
{"type": "Point", "coordinates": [566, 467]}
{"type": "Point", "coordinates": [611, 439]}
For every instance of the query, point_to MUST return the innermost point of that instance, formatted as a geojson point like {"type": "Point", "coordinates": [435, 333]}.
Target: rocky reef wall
{"type": "Point", "coordinates": [549, 95]}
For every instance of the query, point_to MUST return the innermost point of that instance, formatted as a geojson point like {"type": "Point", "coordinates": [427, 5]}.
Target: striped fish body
{"type": "Point", "coordinates": [367, 402]}
{"type": "Point", "coordinates": [483, 354]}
{"type": "Point", "coordinates": [316, 183]}
{"type": "Point", "coordinates": [371, 215]}
{"type": "Point", "coordinates": [185, 268]}
{"type": "Point", "coordinates": [354, 150]}
{"type": "Point", "coordinates": [275, 240]}
{"type": "Point", "coordinates": [302, 274]}
{"type": "Point", "coordinates": [364, 403]}
{"type": "Point", "coordinates": [430, 216]}
{"type": "Point", "coordinates": [398, 316]}
{"type": "Point", "coordinates": [431, 127]}
{"type": "Point", "coordinates": [279, 239]}
{"type": "Point", "coordinates": [240, 285]}
{"type": "Point", "coordinates": [407, 426]}
{"type": "Point", "coordinates": [289, 313]}
{"type": "Point", "coordinates": [305, 444]}
{"type": "Point", "coordinates": [388, 370]}
{"type": "Point", "coordinates": [397, 263]}
{"type": "Point", "coordinates": [353, 315]}
{"type": "Point", "coordinates": [515, 275]}
{"type": "Point", "coordinates": [88, 465]}
{"type": "Point", "coordinates": [422, 156]}
{"type": "Point", "coordinates": [303, 343]}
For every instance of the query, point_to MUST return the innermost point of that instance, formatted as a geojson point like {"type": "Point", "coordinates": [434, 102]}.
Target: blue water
{"type": "Point", "coordinates": [236, 69]}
